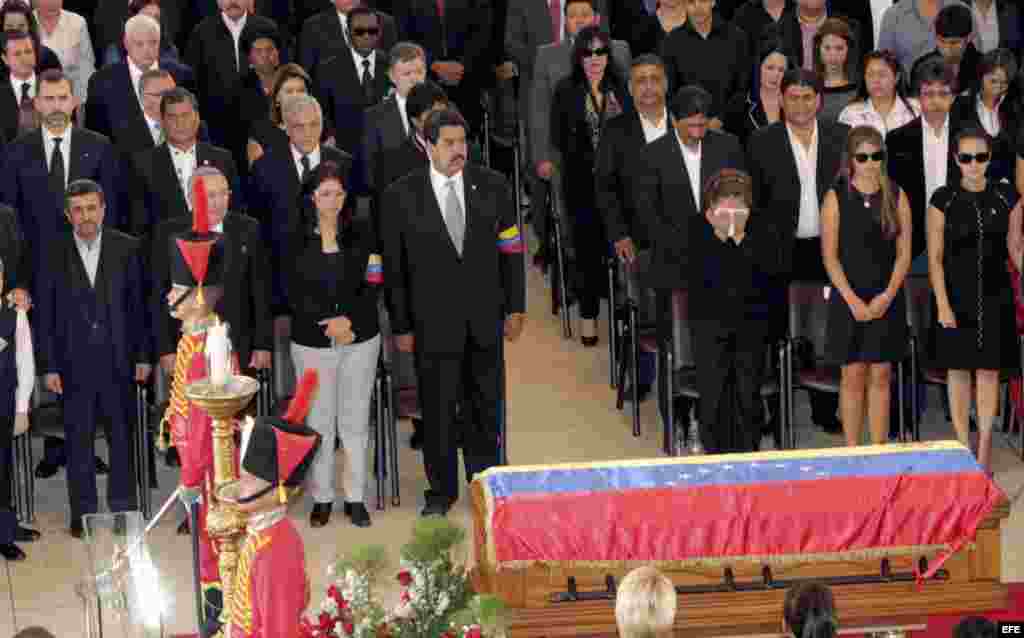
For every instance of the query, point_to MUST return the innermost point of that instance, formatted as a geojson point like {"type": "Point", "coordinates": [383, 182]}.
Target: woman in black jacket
{"type": "Point", "coordinates": [582, 105]}
{"type": "Point", "coordinates": [995, 105]}
{"type": "Point", "coordinates": [747, 112]}
{"type": "Point", "coordinates": [334, 276]}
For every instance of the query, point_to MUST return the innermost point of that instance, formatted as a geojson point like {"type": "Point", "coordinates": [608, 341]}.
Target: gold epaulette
{"type": "Point", "coordinates": [188, 346]}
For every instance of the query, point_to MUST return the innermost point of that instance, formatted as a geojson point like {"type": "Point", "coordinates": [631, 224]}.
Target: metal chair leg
{"type": "Point", "coordinates": [900, 402]}
{"type": "Point", "coordinates": [391, 434]}
{"type": "Point", "coordinates": [634, 342]}
{"type": "Point", "coordinates": [379, 467]}
{"type": "Point", "coordinates": [612, 312]}
{"type": "Point", "coordinates": [671, 445]}
{"type": "Point", "coordinates": [790, 434]}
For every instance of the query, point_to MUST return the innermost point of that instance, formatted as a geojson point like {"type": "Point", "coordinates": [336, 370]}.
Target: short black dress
{"type": "Point", "coordinates": [868, 258]}
{"type": "Point", "coordinates": [977, 280]}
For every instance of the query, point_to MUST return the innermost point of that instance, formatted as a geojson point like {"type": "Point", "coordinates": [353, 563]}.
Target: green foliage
{"type": "Point", "coordinates": [432, 538]}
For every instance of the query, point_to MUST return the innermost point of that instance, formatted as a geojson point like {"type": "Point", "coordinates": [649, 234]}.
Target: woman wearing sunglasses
{"type": "Point", "coordinates": [582, 105]}
{"type": "Point", "coordinates": [973, 227]}
{"type": "Point", "coordinates": [865, 244]}
{"type": "Point", "coordinates": [986, 105]}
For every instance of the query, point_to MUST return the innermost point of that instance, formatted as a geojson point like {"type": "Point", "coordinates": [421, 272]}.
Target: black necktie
{"type": "Point", "coordinates": [305, 168]}
{"type": "Point", "coordinates": [26, 110]}
{"type": "Point", "coordinates": [57, 166]}
{"type": "Point", "coordinates": [367, 82]}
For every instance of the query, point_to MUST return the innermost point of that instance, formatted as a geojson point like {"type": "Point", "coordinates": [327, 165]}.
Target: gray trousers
{"type": "Point", "coordinates": [342, 407]}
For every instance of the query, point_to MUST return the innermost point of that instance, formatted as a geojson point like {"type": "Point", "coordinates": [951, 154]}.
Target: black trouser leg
{"type": "Point", "coordinates": [438, 384]}
{"type": "Point", "coordinates": [8, 518]}
{"type": "Point", "coordinates": [714, 356]}
{"type": "Point", "coordinates": [482, 400]}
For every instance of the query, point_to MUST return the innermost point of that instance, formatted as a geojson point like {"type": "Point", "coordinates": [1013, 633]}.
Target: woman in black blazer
{"type": "Point", "coordinates": [582, 105]}
{"type": "Point", "coordinates": [334, 276]}
{"type": "Point", "coordinates": [748, 112]}
{"type": "Point", "coordinates": [994, 104]}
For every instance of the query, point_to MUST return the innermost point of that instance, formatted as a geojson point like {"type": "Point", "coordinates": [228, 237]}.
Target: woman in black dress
{"type": "Point", "coordinates": [865, 244]}
{"type": "Point", "coordinates": [582, 105]}
{"type": "Point", "coordinates": [973, 227]}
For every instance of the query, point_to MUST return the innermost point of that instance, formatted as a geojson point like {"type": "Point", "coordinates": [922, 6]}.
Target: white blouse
{"type": "Point", "coordinates": [70, 41]}
{"type": "Point", "coordinates": [864, 114]}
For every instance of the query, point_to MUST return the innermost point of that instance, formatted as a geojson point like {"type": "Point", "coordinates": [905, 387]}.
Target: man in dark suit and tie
{"type": "Point", "coordinates": [109, 19]}
{"type": "Point", "coordinates": [387, 124]}
{"type": "Point", "coordinates": [114, 105]}
{"type": "Point", "coordinates": [159, 175]}
{"type": "Point", "coordinates": [453, 256]}
{"type": "Point", "coordinates": [94, 345]}
{"type": "Point", "coordinates": [215, 54]}
{"type": "Point", "coordinates": [456, 35]}
{"type": "Point", "coordinates": [353, 81]}
{"type": "Point", "coordinates": [276, 183]}
{"type": "Point", "coordinates": [326, 34]}
{"type": "Point", "coordinates": [245, 304]}
{"type": "Point", "coordinates": [37, 167]}
{"type": "Point", "coordinates": [396, 163]}
{"type": "Point", "coordinates": [17, 110]}
{"type": "Point", "coordinates": [793, 163]}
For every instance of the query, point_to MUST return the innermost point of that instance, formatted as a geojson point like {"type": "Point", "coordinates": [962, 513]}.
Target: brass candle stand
{"type": "Point", "coordinates": [224, 523]}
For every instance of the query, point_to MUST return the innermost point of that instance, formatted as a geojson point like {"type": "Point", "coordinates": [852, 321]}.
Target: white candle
{"type": "Point", "coordinates": [217, 349]}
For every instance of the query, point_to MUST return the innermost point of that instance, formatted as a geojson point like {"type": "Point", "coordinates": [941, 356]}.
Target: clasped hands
{"type": "Point", "coordinates": [340, 329]}
{"type": "Point", "coordinates": [875, 309]}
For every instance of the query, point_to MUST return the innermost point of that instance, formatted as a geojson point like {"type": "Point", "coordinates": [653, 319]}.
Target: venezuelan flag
{"type": "Point", "coordinates": [375, 270]}
{"type": "Point", "coordinates": [509, 241]}
{"type": "Point", "coordinates": [826, 504]}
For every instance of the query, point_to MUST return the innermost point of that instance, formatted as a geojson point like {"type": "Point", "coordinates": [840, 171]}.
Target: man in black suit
{"type": "Point", "coordinates": [387, 124]}
{"type": "Point", "coordinates": [906, 146]}
{"type": "Point", "coordinates": [154, 84]}
{"type": "Point", "coordinates": [17, 110]}
{"type": "Point", "coordinates": [954, 32]}
{"type": "Point", "coordinates": [456, 35]}
{"type": "Point", "coordinates": [453, 256]}
{"type": "Point", "coordinates": [94, 345]}
{"type": "Point", "coordinates": [276, 183]}
{"type": "Point", "coordinates": [245, 304]}
{"type": "Point", "coordinates": [326, 34]}
{"type": "Point", "coordinates": [353, 81]}
{"type": "Point", "coordinates": [396, 163]}
{"type": "Point", "coordinates": [114, 105]}
{"type": "Point", "coordinates": [36, 167]}
{"type": "Point", "coordinates": [160, 175]}
{"type": "Point", "coordinates": [790, 186]}
{"type": "Point", "coordinates": [214, 53]}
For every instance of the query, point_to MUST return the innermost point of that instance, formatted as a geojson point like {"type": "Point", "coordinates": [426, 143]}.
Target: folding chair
{"type": "Point", "coordinates": [918, 291]}
{"type": "Point", "coordinates": [557, 228]}
{"type": "Point", "coordinates": [23, 482]}
{"type": "Point", "coordinates": [631, 337]}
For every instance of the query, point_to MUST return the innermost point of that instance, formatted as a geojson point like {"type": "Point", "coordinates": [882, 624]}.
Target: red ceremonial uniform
{"type": "Point", "coordinates": [270, 584]}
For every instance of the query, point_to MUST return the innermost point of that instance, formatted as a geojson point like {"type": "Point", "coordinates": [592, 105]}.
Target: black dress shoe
{"type": "Point", "coordinates": [171, 457]}
{"type": "Point", "coordinates": [102, 468]}
{"type": "Point", "coordinates": [183, 529]}
{"type": "Point", "coordinates": [46, 469]}
{"type": "Point", "coordinates": [321, 515]}
{"type": "Point", "coordinates": [357, 512]}
{"type": "Point", "coordinates": [10, 551]}
{"type": "Point", "coordinates": [26, 535]}
{"type": "Point", "coordinates": [416, 442]}
{"type": "Point", "coordinates": [76, 530]}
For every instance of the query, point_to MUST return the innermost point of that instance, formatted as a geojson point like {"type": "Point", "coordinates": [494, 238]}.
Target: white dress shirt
{"type": "Point", "coordinates": [808, 223]}
{"type": "Point", "coordinates": [864, 114]}
{"type": "Point", "coordinates": [986, 25]}
{"type": "Point", "coordinates": [400, 101]}
{"type": "Point", "coordinates": [440, 184]}
{"type": "Point", "coordinates": [90, 254]}
{"type": "Point", "coordinates": [16, 84]}
{"type": "Point", "coordinates": [936, 157]}
{"type": "Point", "coordinates": [314, 159]}
{"type": "Point", "coordinates": [184, 165]}
{"type": "Point", "coordinates": [653, 130]}
{"type": "Point", "coordinates": [25, 361]}
{"type": "Point", "coordinates": [235, 28]}
{"type": "Point", "coordinates": [358, 59]}
{"type": "Point", "coordinates": [691, 159]}
{"type": "Point", "coordinates": [344, 27]}
{"type": "Point", "coordinates": [65, 149]}
{"type": "Point", "coordinates": [136, 75]}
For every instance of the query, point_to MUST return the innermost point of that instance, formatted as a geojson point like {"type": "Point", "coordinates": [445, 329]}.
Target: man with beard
{"type": "Point", "coordinates": [433, 266]}
{"type": "Point", "coordinates": [35, 171]}
{"type": "Point", "coordinates": [93, 347]}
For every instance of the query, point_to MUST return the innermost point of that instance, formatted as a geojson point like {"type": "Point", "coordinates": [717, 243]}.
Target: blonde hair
{"type": "Point", "coordinates": [645, 604]}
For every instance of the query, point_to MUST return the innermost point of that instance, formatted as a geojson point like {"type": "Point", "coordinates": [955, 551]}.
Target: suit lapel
{"type": "Point", "coordinates": [677, 173]}
{"type": "Point", "coordinates": [163, 164]}
{"type": "Point", "coordinates": [40, 149]}
{"type": "Point", "coordinates": [78, 157]}
{"type": "Point", "coordinates": [396, 116]}
{"type": "Point", "coordinates": [381, 81]}
{"type": "Point", "coordinates": [823, 178]}
{"type": "Point", "coordinates": [80, 277]}
{"type": "Point", "coordinates": [138, 122]}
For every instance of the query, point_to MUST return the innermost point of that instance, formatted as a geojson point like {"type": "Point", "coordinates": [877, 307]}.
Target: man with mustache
{"type": "Point", "coordinates": [454, 250]}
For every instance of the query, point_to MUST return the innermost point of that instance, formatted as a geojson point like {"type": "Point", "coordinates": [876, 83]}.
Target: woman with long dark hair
{"type": "Point", "coordinates": [986, 105]}
{"type": "Point", "coordinates": [974, 227]}
{"type": "Point", "coordinates": [880, 101]}
{"type": "Point", "coordinates": [809, 611]}
{"type": "Point", "coordinates": [865, 244]}
{"type": "Point", "coordinates": [582, 105]}
{"type": "Point", "coordinates": [333, 277]}
{"type": "Point", "coordinates": [836, 60]}
{"type": "Point", "coordinates": [763, 106]}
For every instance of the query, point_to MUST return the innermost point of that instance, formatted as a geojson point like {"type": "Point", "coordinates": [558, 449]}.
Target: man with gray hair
{"type": "Point", "coordinates": [114, 103]}
{"type": "Point", "coordinates": [277, 181]}
{"type": "Point", "coordinates": [160, 175]}
{"type": "Point", "coordinates": [245, 305]}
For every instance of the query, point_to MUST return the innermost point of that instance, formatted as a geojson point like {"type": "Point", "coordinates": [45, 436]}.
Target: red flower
{"type": "Point", "coordinates": [326, 622]}
{"type": "Point", "coordinates": [349, 628]}
{"type": "Point", "coordinates": [404, 578]}
{"type": "Point", "coordinates": [474, 632]}
{"type": "Point", "coordinates": [406, 597]}
{"type": "Point", "coordinates": [333, 592]}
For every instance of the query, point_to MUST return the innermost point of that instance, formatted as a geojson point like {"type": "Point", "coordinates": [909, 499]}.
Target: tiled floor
{"type": "Point", "coordinates": [560, 409]}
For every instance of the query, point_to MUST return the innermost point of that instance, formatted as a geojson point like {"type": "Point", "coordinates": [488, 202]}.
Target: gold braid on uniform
{"type": "Point", "coordinates": [188, 346]}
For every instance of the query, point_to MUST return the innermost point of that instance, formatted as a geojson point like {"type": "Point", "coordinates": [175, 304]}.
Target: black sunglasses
{"type": "Point", "coordinates": [366, 31]}
{"type": "Point", "coordinates": [877, 156]}
{"type": "Point", "coordinates": [967, 158]}
{"type": "Point", "coordinates": [593, 53]}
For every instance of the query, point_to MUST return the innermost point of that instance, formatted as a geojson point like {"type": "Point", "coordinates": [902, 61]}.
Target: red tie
{"type": "Point", "coordinates": [554, 6]}
{"type": "Point", "coordinates": [440, 8]}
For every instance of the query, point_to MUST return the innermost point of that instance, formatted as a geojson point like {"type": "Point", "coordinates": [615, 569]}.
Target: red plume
{"type": "Point", "coordinates": [303, 399]}
{"type": "Point", "coordinates": [200, 211]}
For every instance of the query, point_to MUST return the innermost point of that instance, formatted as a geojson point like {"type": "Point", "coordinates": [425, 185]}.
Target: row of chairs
{"type": "Point", "coordinates": [807, 329]}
